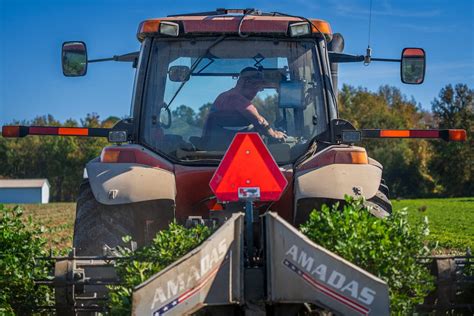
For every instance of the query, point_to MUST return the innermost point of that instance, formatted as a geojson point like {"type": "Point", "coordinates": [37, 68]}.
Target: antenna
{"type": "Point", "coordinates": [368, 53]}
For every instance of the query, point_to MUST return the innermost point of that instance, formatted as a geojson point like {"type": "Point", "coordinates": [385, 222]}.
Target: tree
{"type": "Point", "coordinates": [185, 113]}
{"type": "Point", "coordinates": [452, 163]}
{"type": "Point", "coordinates": [201, 116]}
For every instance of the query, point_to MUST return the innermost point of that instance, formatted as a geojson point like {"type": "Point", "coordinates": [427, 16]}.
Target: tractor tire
{"type": "Point", "coordinates": [98, 225]}
{"type": "Point", "coordinates": [380, 204]}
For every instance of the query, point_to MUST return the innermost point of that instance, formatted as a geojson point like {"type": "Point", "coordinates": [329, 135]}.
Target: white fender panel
{"type": "Point", "coordinates": [122, 183]}
{"type": "Point", "coordinates": [336, 180]}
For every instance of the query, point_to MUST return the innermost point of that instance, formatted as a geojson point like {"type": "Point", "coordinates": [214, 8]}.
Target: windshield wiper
{"type": "Point", "coordinates": [194, 66]}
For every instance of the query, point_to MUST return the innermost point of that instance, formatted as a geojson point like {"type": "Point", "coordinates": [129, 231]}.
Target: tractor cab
{"type": "Point", "coordinates": [210, 76]}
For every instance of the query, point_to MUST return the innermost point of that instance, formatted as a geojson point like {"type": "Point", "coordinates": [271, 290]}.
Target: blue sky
{"type": "Point", "coordinates": [31, 34]}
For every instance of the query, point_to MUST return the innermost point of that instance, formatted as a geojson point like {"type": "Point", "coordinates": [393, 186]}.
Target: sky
{"type": "Point", "coordinates": [32, 32]}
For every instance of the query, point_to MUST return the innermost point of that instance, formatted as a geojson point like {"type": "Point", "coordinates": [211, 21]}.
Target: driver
{"type": "Point", "coordinates": [239, 99]}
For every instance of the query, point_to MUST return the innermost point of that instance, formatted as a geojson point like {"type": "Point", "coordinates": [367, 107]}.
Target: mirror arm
{"type": "Point", "coordinates": [130, 57]}
{"type": "Point", "coordinates": [347, 58]}
{"type": "Point", "coordinates": [387, 59]}
{"type": "Point", "coordinates": [100, 60]}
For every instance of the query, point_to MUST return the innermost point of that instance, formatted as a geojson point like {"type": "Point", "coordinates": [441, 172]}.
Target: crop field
{"type": "Point", "coordinates": [451, 221]}
{"type": "Point", "coordinates": [57, 218]}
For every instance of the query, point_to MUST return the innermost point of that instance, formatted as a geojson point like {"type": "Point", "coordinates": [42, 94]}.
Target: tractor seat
{"type": "Point", "coordinates": [221, 127]}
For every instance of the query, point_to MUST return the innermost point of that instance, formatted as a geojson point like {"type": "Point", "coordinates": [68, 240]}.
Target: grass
{"type": "Point", "coordinates": [58, 218]}
{"type": "Point", "coordinates": [451, 221]}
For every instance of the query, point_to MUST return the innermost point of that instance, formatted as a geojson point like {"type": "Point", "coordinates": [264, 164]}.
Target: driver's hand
{"type": "Point", "coordinates": [278, 134]}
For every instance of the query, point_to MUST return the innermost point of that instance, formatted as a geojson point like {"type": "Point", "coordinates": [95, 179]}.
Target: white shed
{"type": "Point", "coordinates": [24, 191]}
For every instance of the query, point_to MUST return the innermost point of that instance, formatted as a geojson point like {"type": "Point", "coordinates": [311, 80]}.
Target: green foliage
{"type": "Point", "coordinates": [20, 242]}
{"type": "Point", "coordinates": [386, 248]}
{"type": "Point", "coordinates": [451, 228]}
{"type": "Point", "coordinates": [452, 163]}
{"type": "Point", "coordinates": [168, 246]}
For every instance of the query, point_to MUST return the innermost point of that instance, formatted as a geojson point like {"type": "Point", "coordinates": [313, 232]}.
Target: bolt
{"type": "Point", "coordinates": [78, 276]}
{"type": "Point", "coordinates": [247, 181]}
{"type": "Point", "coordinates": [247, 152]}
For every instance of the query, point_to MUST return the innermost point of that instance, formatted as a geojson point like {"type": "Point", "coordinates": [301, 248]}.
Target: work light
{"type": "Point", "coordinates": [299, 29]}
{"type": "Point", "coordinates": [169, 28]}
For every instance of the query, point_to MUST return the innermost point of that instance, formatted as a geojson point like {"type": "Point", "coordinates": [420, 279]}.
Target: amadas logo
{"type": "Point", "coordinates": [327, 275]}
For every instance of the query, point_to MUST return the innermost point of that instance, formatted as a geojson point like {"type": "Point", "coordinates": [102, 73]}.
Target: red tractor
{"type": "Point", "coordinates": [201, 78]}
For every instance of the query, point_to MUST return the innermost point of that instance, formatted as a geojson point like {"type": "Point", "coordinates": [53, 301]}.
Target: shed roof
{"type": "Point", "coordinates": [23, 183]}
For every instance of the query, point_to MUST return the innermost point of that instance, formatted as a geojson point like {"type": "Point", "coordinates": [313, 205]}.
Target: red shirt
{"type": "Point", "coordinates": [232, 100]}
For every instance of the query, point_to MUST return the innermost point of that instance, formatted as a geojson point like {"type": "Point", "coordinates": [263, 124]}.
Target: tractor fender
{"type": "Point", "coordinates": [122, 183]}
{"type": "Point", "coordinates": [336, 180]}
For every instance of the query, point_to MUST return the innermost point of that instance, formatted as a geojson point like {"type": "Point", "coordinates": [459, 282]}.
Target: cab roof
{"type": "Point", "coordinates": [227, 21]}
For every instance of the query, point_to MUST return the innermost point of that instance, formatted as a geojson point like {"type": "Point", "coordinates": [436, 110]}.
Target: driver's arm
{"type": "Point", "coordinates": [250, 112]}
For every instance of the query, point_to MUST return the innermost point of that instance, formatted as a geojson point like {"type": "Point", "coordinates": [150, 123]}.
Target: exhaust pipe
{"type": "Point", "coordinates": [336, 45]}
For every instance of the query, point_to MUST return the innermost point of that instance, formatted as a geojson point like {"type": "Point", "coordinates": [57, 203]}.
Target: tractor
{"type": "Point", "coordinates": [201, 80]}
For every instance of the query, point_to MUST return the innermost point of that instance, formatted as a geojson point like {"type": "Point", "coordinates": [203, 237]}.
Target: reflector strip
{"type": "Point", "coordinates": [73, 131]}
{"type": "Point", "coordinates": [327, 290]}
{"type": "Point", "coordinates": [457, 135]}
{"type": "Point", "coordinates": [11, 131]}
{"type": "Point", "coordinates": [22, 131]}
{"type": "Point", "coordinates": [446, 134]}
{"type": "Point", "coordinates": [183, 297]}
{"type": "Point", "coordinates": [394, 133]}
{"type": "Point", "coordinates": [33, 130]}
{"type": "Point", "coordinates": [424, 134]}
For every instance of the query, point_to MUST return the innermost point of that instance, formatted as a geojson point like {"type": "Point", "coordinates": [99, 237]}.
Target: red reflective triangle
{"type": "Point", "coordinates": [248, 164]}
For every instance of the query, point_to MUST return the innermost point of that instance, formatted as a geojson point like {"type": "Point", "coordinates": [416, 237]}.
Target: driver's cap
{"type": "Point", "coordinates": [251, 73]}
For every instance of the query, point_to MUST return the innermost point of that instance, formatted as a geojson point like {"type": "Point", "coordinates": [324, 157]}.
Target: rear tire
{"type": "Point", "coordinates": [97, 224]}
{"type": "Point", "coordinates": [380, 204]}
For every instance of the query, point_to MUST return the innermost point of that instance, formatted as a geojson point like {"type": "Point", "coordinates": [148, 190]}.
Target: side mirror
{"type": "Point", "coordinates": [179, 73]}
{"type": "Point", "coordinates": [291, 94]}
{"type": "Point", "coordinates": [74, 59]}
{"type": "Point", "coordinates": [413, 65]}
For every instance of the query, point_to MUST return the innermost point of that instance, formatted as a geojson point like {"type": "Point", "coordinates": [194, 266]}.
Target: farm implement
{"type": "Point", "coordinates": [265, 149]}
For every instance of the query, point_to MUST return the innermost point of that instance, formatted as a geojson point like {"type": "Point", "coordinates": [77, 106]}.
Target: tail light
{"type": "Point", "coordinates": [121, 154]}
{"type": "Point", "coordinates": [338, 155]}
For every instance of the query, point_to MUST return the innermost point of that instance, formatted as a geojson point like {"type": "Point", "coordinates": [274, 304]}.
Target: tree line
{"type": "Point", "coordinates": [412, 168]}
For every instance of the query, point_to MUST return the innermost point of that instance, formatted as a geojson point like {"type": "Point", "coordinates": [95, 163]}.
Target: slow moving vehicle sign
{"type": "Point", "coordinates": [248, 171]}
